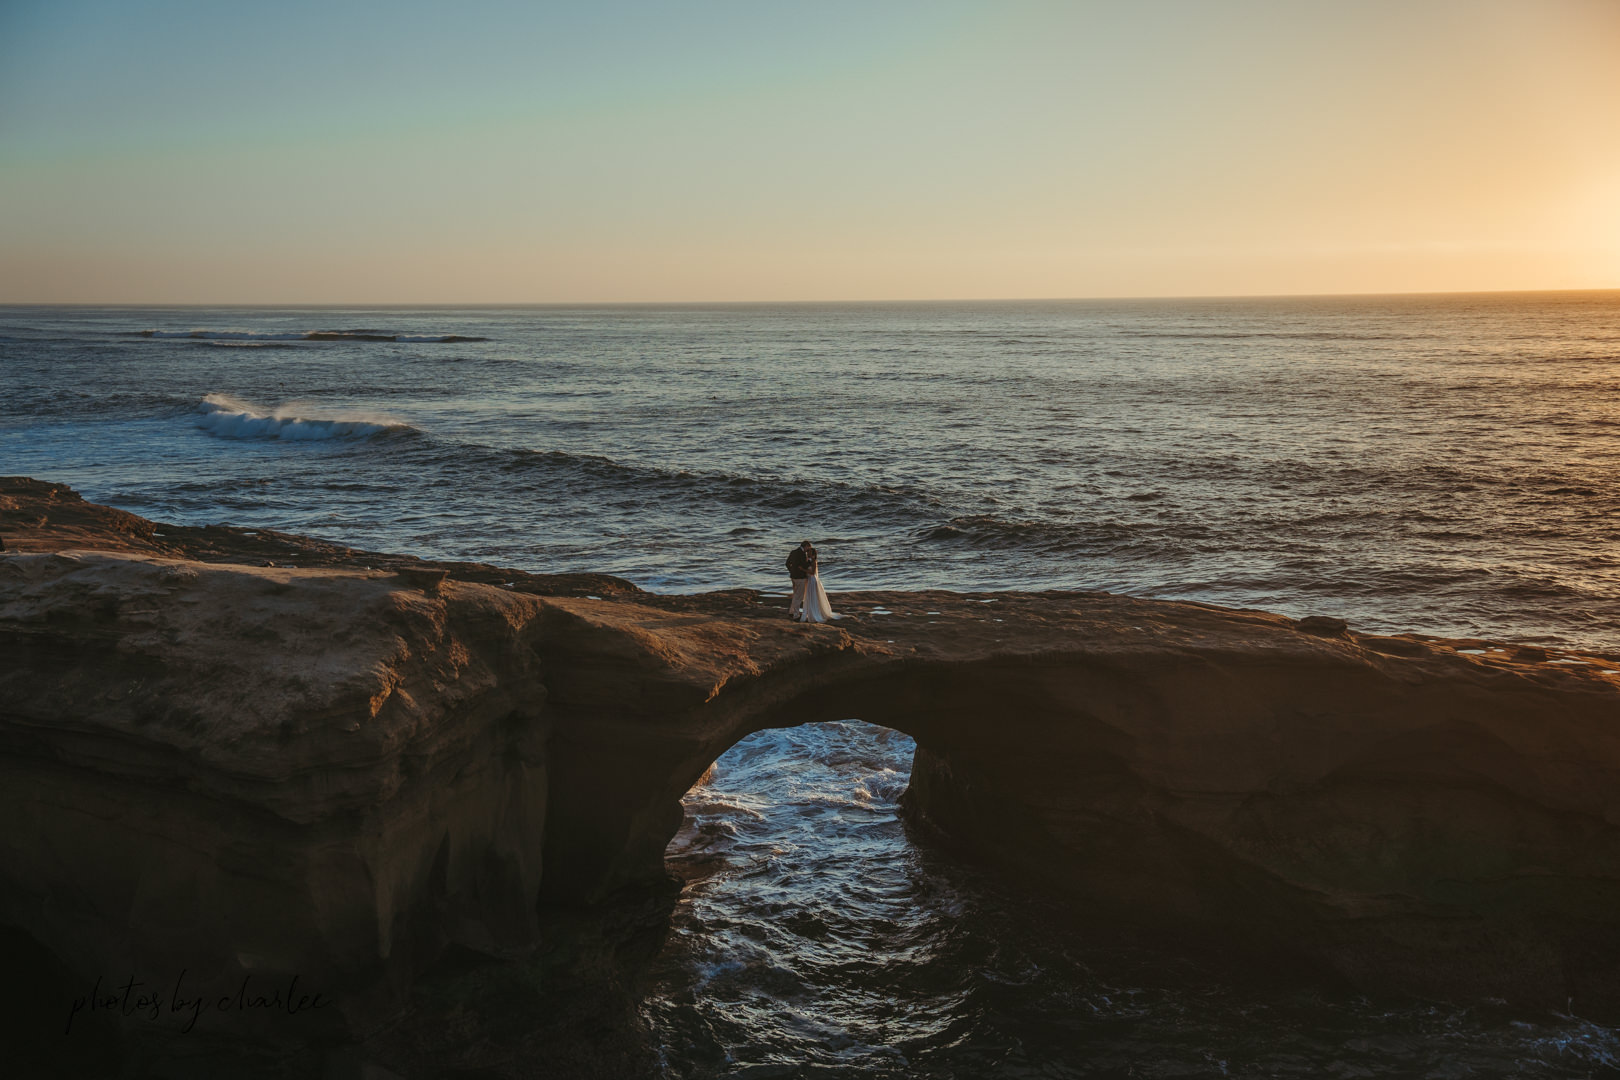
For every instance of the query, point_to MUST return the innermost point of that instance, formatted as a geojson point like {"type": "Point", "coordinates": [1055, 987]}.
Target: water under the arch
{"type": "Point", "coordinates": [816, 938]}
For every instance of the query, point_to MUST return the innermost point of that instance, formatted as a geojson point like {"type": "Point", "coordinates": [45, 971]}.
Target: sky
{"type": "Point", "coordinates": [161, 151]}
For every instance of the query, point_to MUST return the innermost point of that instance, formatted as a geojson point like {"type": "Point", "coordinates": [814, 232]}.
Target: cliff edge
{"type": "Point", "coordinates": [240, 757]}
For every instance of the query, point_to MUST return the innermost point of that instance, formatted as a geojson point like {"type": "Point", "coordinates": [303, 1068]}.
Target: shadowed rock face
{"type": "Point", "coordinates": [330, 768]}
{"type": "Point", "coordinates": [242, 771]}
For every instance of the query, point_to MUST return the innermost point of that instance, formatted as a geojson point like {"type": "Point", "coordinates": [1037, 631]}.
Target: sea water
{"type": "Point", "coordinates": [1442, 464]}
{"type": "Point", "coordinates": [814, 940]}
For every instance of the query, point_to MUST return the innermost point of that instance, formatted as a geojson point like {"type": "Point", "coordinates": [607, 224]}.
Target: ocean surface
{"type": "Point", "coordinates": [1449, 465]}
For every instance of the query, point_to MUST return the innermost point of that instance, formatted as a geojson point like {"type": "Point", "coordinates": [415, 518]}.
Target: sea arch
{"type": "Point", "coordinates": [1346, 799]}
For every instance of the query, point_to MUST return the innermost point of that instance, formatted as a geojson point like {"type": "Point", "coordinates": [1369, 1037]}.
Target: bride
{"type": "Point", "coordinates": [816, 608]}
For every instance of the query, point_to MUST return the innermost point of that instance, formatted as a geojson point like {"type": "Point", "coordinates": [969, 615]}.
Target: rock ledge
{"type": "Point", "coordinates": [337, 765]}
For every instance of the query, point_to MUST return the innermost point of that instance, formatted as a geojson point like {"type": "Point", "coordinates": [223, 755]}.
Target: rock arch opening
{"type": "Point", "coordinates": [817, 781]}
{"type": "Point", "coordinates": [804, 902]}
{"type": "Point", "coordinates": [1237, 780]}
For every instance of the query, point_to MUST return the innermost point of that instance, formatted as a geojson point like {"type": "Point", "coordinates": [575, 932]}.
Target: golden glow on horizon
{"type": "Point", "coordinates": [957, 151]}
{"type": "Point", "coordinates": [1601, 213]}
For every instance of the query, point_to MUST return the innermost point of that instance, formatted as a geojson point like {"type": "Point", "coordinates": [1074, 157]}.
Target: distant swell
{"type": "Point", "coordinates": [308, 335]}
{"type": "Point", "coordinates": [1225, 335]}
{"type": "Point", "coordinates": [616, 487]}
{"type": "Point", "coordinates": [992, 533]}
{"type": "Point", "coordinates": [229, 418]}
{"type": "Point", "coordinates": [245, 344]}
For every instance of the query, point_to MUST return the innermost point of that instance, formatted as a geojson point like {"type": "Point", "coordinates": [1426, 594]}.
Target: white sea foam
{"type": "Point", "coordinates": [232, 418]}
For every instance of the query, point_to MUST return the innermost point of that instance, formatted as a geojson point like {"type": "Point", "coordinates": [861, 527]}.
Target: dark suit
{"type": "Point", "coordinates": [799, 568]}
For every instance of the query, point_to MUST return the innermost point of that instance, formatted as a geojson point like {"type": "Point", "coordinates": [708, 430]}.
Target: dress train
{"type": "Point", "coordinates": [816, 606]}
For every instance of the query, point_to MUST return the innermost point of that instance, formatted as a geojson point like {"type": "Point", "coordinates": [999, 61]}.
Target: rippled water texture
{"type": "Point", "coordinates": [813, 939]}
{"type": "Point", "coordinates": [1439, 464]}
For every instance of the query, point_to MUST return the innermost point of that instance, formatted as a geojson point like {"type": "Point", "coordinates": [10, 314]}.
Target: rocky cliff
{"type": "Point", "coordinates": [250, 756]}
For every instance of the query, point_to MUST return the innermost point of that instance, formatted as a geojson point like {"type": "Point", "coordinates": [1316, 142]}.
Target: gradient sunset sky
{"type": "Point", "coordinates": [484, 152]}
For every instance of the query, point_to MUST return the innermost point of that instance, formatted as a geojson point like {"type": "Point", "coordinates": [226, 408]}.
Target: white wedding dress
{"type": "Point", "coordinates": [816, 607]}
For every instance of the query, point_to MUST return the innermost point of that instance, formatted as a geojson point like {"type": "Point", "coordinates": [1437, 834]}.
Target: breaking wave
{"type": "Point", "coordinates": [307, 335]}
{"type": "Point", "coordinates": [593, 476]}
{"type": "Point", "coordinates": [231, 418]}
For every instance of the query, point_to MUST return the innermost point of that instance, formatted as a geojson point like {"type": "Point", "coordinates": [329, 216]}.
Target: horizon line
{"type": "Point", "coordinates": [806, 303]}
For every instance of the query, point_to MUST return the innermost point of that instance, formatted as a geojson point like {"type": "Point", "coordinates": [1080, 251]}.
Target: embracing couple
{"type": "Point", "coordinates": [809, 598]}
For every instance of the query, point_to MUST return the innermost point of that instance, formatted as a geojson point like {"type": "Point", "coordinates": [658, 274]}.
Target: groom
{"type": "Point", "coordinates": [798, 564]}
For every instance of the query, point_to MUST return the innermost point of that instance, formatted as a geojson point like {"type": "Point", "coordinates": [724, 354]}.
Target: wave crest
{"type": "Point", "coordinates": [231, 418]}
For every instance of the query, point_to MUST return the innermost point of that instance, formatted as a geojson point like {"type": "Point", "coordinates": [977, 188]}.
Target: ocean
{"type": "Point", "coordinates": [1447, 465]}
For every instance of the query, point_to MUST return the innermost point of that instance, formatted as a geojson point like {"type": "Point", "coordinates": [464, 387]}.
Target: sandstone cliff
{"type": "Point", "coordinates": [334, 765]}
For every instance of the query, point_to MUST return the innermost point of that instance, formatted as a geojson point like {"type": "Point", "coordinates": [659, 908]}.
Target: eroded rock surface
{"type": "Point", "coordinates": [330, 768]}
